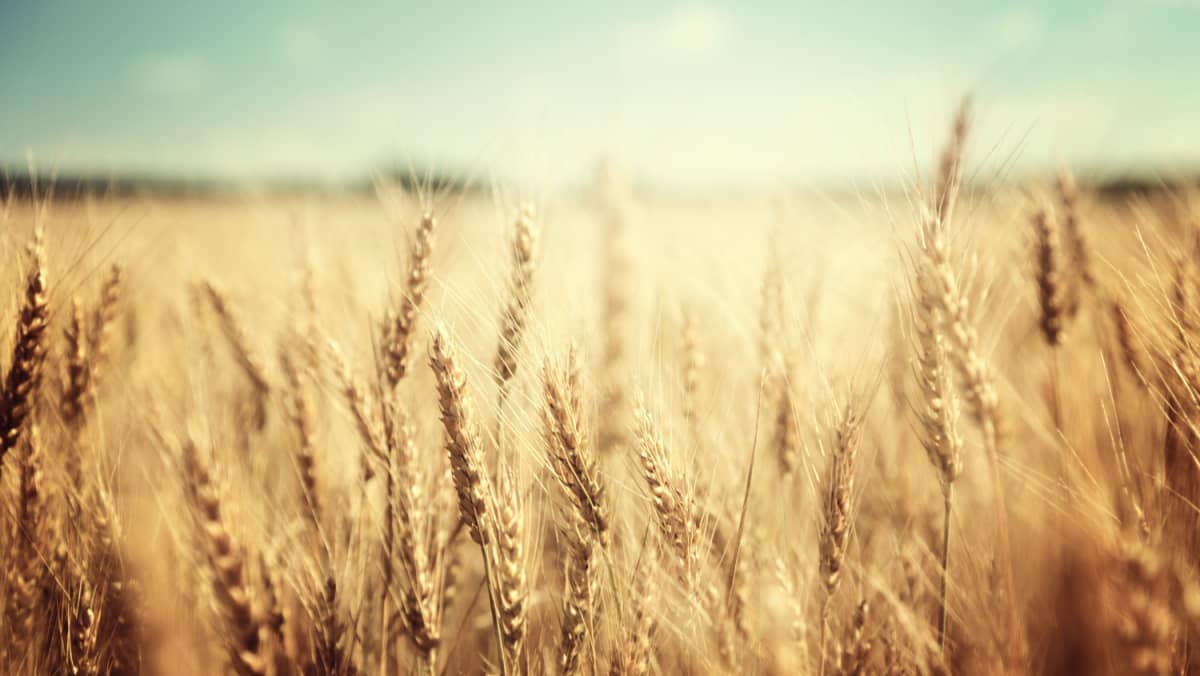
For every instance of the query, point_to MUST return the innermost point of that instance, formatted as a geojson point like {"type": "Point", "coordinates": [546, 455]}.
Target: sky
{"type": "Point", "coordinates": [693, 93]}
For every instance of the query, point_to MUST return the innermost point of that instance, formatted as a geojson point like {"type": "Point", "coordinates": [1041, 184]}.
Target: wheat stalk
{"type": "Point", "coordinates": [399, 330]}
{"type": "Point", "coordinates": [634, 652]}
{"type": "Point", "coordinates": [227, 567]}
{"type": "Point", "coordinates": [786, 433]}
{"type": "Point", "coordinates": [578, 601]}
{"type": "Point", "coordinates": [938, 417]}
{"type": "Point", "coordinates": [419, 604]}
{"type": "Point", "coordinates": [361, 409]}
{"type": "Point", "coordinates": [24, 375]}
{"type": "Point", "coordinates": [1048, 259]}
{"type": "Point", "coordinates": [949, 176]}
{"type": "Point", "coordinates": [838, 512]}
{"type": "Point", "coordinates": [104, 316]}
{"type": "Point", "coordinates": [331, 654]}
{"type": "Point", "coordinates": [239, 340]}
{"type": "Point", "coordinates": [516, 311]}
{"type": "Point", "coordinates": [466, 462]}
{"type": "Point", "coordinates": [462, 437]}
{"type": "Point", "coordinates": [1131, 348]}
{"type": "Point", "coordinates": [1077, 240]}
{"type": "Point", "coordinates": [974, 372]}
{"type": "Point", "coordinates": [575, 467]}
{"type": "Point", "coordinates": [511, 589]}
{"type": "Point", "coordinates": [300, 412]}
{"type": "Point", "coordinates": [76, 392]}
{"type": "Point", "coordinates": [674, 510]}
{"type": "Point", "coordinates": [26, 571]}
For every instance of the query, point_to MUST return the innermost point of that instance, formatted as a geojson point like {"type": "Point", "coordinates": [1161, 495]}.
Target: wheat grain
{"type": "Point", "coordinates": [1049, 277]}
{"type": "Point", "coordinates": [575, 467]}
{"type": "Point", "coordinates": [24, 375]}
{"type": "Point", "coordinates": [516, 312]}
{"type": "Point", "coordinates": [399, 330]}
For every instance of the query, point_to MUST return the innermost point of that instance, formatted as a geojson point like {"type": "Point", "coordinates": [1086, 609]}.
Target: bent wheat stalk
{"type": "Point", "coordinates": [466, 462]}
{"type": "Point", "coordinates": [24, 376]}
{"type": "Point", "coordinates": [938, 417]}
{"type": "Point", "coordinates": [838, 514]}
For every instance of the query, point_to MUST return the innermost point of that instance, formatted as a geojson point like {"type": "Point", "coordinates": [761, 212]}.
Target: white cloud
{"type": "Point", "coordinates": [695, 31]}
{"type": "Point", "coordinates": [687, 33]}
{"type": "Point", "coordinates": [170, 74]}
{"type": "Point", "coordinates": [1019, 27]}
{"type": "Point", "coordinates": [1168, 4]}
{"type": "Point", "coordinates": [300, 44]}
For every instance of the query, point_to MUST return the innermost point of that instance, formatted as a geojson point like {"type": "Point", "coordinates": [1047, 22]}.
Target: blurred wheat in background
{"type": "Point", "coordinates": [946, 423]}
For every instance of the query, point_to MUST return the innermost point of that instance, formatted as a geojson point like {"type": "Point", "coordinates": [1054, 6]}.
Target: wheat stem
{"type": "Point", "coordinates": [487, 579]}
{"type": "Point", "coordinates": [942, 612]}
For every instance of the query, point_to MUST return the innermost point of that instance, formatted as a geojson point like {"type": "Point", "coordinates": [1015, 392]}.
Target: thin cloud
{"type": "Point", "coordinates": [300, 44]}
{"type": "Point", "coordinates": [695, 31]}
{"type": "Point", "coordinates": [170, 74]}
{"type": "Point", "coordinates": [1019, 27]}
{"type": "Point", "coordinates": [1169, 4]}
{"type": "Point", "coordinates": [687, 33]}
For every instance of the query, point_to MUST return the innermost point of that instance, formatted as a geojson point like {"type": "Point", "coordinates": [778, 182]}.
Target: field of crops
{"type": "Point", "coordinates": [950, 428]}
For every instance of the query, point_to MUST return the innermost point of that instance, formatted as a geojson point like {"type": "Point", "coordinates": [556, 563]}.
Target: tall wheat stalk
{"type": "Point", "coordinates": [24, 377]}
{"type": "Point", "coordinates": [466, 462]}
{"type": "Point", "coordinates": [937, 416]}
{"type": "Point", "coordinates": [973, 370]}
{"type": "Point", "coordinates": [837, 514]}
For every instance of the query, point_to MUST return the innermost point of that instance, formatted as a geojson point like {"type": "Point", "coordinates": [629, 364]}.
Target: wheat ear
{"type": "Point", "coordinates": [838, 512]}
{"type": "Point", "coordinates": [24, 375]}
{"type": "Point", "coordinates": [398, 333]}
{"type": "Point", "coordinates": [227, 562]}
{"type": "Point", "coordinates": [516, 311]}
{"type": "Point", "coordinates": [574, 464]}
{"type": "Point", "coordinates": [463, 446]}
{"type": "Point", "coordinates": [938, 416]}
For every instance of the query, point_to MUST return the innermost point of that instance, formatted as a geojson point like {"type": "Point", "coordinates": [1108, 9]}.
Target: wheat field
{"type": "Point", "coordinates": [949, 428]}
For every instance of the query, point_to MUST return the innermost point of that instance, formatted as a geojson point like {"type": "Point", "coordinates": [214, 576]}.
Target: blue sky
{"type": "Point", "coordinates": [688, 93]}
